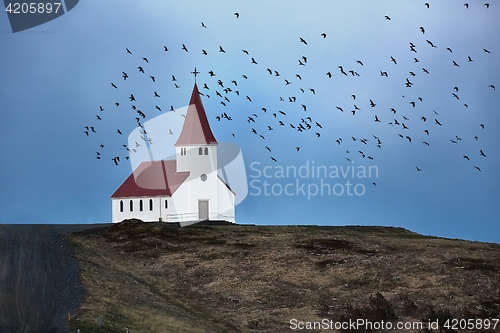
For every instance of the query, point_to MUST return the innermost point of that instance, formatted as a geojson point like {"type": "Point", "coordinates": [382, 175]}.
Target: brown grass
{"type": "Point", "coordinates": [155, 278]}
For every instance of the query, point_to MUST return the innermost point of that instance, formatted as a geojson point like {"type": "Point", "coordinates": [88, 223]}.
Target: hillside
{"type": "Point", "coordinates": [155, 278]}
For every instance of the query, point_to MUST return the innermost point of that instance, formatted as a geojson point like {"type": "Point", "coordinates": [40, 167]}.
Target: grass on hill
{"type": "Point", "coordinates": [148, 277]}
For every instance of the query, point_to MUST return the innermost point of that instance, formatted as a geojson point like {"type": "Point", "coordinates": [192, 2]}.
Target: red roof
{"type": "Point", "coordinates": [157, 178]}
{"type": "Point", "coordinates": [196, 129]}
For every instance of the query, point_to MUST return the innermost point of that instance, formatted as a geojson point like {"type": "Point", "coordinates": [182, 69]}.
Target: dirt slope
{"type": "Point", "coordinates": [152, 278]}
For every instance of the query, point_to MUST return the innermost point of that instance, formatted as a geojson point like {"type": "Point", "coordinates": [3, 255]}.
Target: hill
{"type": "Point", "coordinates": [149, 277]}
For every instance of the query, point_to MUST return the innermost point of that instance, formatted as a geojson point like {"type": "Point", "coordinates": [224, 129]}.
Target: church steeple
{"type": "Point", "coordinates": [196, 129]}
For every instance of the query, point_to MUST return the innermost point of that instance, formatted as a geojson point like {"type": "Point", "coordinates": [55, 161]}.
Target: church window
{"type": "Point", "coordinates": [140, 205]}
{"type": "Point", "coordinates": [166, 204]}
{"type": "Point", "coordinates": [150, 204]}
{"type": "Point", "coordinates": [184, 151]}
{"type": "Point", "coordinates": [131, 205]}
{"type": "Point", "coordinates": [206, 151]}
{"type": "Point", "coordinates": [200, 151]}
{"type": "Point", "coordinates": [121, 206]}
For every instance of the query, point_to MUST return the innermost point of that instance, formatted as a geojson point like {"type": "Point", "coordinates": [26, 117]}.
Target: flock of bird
{"type": "Point", "coordinates": [294, 114]}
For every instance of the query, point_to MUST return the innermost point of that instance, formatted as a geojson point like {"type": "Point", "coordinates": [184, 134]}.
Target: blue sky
{"type": "Point", "coordinates": [55, 77]}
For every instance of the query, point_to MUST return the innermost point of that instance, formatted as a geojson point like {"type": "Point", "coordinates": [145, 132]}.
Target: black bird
{"type": "Point", "coordinates": [118, 131]}
{"type": "Point", "coordinates": [387, 18]}
{"type": "Point", "coordinates": [132, 98]}
{"type": "Point", "coordinates": [101, 108]}
{"type": "Point", "coordinates": [437, 122]}
{"type": "Point", "coordinates": [113, 85]}
{"type": "Point", "coordinates": [418, 169]}
{"type": "Point", "coordinates": [467, 157]}
{"type": "Point", "coordinates": [425, 70]}
{"type": "Point", "coordinates": [303, 41]}
{"type": "Point", "coordinates": [86, 132]}
{"type": "Point", "coordinates": [482, 126]}
{"type": "Point", "coordinates": [221, 49]}
{"type": "Point", "coordinates": [158, 108]}
{"type": "Point", "coordinates": [426, 4]}
{"type": "Point", "coordinates": [211, 73]}
{"type": "Point", "coordinates": [323, 35]}
{"type": "Point", "coordinates": [469, 59]}
{"type": "Point", "coordinates": [237, 15]}
{"type": "Point", "coordinates": [203, 25]}
{"type": "Point", "coordinates": [449, 49]}
{"type": "Point", "coordinates": [430, 43]}
{"type": "Point", "coordinates": [485, 50]}
{"type": "Point", "coordinates": [455, 64]}
{"type": "Point", "coordinates": [313, 91]}
{"type": "Point", "coordinates": [477, 168]}
{"type": "Point", "coordinates": [140, 69]}
{"type": "Point", "coordinates": [481, 153]}
{"type": "Point", "coordinates": [466, 5]}
{"type": "Point", "coordinates": [376, 119]}
{"type": "Point", "coordinates": [372, 104]}
{"type": "Point", "coordinates": [184, 48]}
{"type": "Point", "coordinates": [253, 61]}
{"type": "Point", "coordinates": [487, 5]}
{"type": "Point", "coordinates": [204, 52]}
{"type": "Point", "coordinates": [152, 78]}
{"type": "Point", "coordinates": [359, 62]}
{"type": "Point", "coordinates": [93, 130]}
{"type": "Point", "coordinates": [165, 48]}
{"type": "Point", "coordinates": [393, 60]}
{"type": "Point", "coordinates": [156, 94]}
{"type": "Point", "coordinates": [245, 51]}
{"type": "Point", "coordinates": [146, 60]}
{"type": "Point", "coordinates": [125, 76]}
{"type": "Point", "coordinates": [128, 51]}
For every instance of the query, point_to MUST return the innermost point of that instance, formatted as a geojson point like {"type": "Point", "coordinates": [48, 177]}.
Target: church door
{"type": "Point", "coordinates": [203, 210]}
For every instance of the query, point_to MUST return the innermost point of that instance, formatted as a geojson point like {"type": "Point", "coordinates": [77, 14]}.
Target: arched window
{"type": "Point", "coordinates": [121, 206]}
{"type": "Point", "coordinates": [150, 204]}
{"type": "Point", "coordinates": [200, 151]}
{"type": "Point", "coordinates": [131, 205]}
{"type": "Point", "coordinates": [166, 204]}
{"type": "Point", "coordinates": [206, 150]}
{"type": "Point", "coordinates": [182, 151]}
{"type": "Point", "coordinates": [140, 205]}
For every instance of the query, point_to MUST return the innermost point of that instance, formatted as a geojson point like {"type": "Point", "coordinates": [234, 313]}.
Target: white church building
{"type": "Point", "coordinates": [186, 189]}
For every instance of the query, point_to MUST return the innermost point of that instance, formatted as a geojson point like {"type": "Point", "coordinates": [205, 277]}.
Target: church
{"type": "Point", "coordinates": [185, 190]}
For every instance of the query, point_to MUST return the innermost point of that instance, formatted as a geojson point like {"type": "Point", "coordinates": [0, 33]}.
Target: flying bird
{"type": "Point", "coordinates": [184, 48]}
{"type": "Point", "coordinates": [302, 40]}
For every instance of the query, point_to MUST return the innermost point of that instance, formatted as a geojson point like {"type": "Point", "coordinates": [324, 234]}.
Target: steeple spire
{"type": "Point", "coordinates": [196, 129]}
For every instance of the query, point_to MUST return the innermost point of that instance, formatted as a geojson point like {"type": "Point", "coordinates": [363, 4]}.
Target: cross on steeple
{"type": "Point", "coordinates": [195, 73]}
